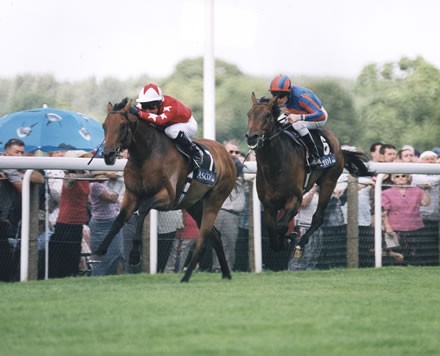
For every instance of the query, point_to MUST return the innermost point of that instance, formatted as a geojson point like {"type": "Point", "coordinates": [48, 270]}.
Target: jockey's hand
{"type": "Point", "coordinates": [134, 110]}
{"type": "Point", "coordinates": [282, 119]}
{"type": "Point", "coordinates": [292, 118]}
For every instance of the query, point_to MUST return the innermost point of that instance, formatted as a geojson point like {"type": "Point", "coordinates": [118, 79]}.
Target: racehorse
{"type": "Point", "coordinates": [283, 175]}
{"type": "Point", "coordinates": [156, 176]}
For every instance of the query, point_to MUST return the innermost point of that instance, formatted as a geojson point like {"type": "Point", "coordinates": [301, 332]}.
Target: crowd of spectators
{"type": "Point", "coordinates": [82, 206]}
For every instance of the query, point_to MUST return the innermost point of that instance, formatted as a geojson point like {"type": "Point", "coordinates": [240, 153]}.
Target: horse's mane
{"type": "Point", "coordinates": [276, 110]}
{"type": "Point", "coordinates": [121, 105]}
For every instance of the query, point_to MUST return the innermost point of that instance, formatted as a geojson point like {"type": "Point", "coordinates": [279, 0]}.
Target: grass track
{"type": "Point", "coordinates": [388, 311]}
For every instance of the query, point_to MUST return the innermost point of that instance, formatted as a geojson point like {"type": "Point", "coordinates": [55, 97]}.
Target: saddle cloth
{"type": "Point", "coordinates": [205, 174]}
{"type": "Point", "coordinates": [327, 157]}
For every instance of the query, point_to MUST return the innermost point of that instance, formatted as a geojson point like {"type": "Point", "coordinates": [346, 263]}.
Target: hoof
{"type": "Point", "coordinates": [135, 261]}
{"type": "Point", "coordinates": [298, 252]}
{"type": "Point", "coordinates": [95, 258]}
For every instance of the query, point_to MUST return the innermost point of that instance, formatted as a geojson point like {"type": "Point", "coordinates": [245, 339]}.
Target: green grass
{"type": "Point", "coordinates": [388, 311]}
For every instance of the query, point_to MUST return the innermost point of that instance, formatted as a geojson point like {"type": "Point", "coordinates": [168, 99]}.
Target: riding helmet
{"type": "Point", "coordinates": [281, 83]}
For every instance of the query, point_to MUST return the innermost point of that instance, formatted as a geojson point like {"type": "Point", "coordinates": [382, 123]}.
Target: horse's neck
{"type": "Point", "coordinates": [276, 154]}
{"type": "Point", "coordinates": [145, 140]}
{"type": "Point", "coordinates": [270, 156]}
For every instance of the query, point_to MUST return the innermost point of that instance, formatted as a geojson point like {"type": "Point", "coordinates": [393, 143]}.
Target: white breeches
{"type": "Point", "coordinates": [303, 127]}
{"type": "Point", "coordinates": [188, 128]}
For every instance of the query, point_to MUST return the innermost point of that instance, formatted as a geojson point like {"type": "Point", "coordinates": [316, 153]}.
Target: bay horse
{"type": "Point", "coordinates": [155, 176]}
{"type": "Point", "coordinates": [282, 172]}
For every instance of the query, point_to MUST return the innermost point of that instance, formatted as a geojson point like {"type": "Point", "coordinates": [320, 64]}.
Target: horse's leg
{"type": "Point", "coordinates": [129, 205]}
{"type": "Point", "coordinates": [271, 219]}
{"type": "Point", "coordinates": [286, 216]}
{"type": "Point", "coordinates": [135, 255]}
{"type": "Point", "coordinates": [205, 218]}
{"type": "Point", "coordinates": [325, 193]}
{"type": "Point", "coordinates": [216, 242]}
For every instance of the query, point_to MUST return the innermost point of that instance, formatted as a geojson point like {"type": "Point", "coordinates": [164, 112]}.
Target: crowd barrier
{"type": "Point", "coordinates": [255, 228]}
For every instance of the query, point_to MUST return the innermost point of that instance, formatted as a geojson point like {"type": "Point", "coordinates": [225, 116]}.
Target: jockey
{"type": "Point", "coordinates": [175, 117]}
{"type": "Point", "coordinates": [304, 110]}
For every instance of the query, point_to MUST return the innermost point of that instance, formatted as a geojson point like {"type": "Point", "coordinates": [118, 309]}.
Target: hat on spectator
{"type": "Point", "coordinates": [408, 147]}
{"type": "Point", "coordinates": [77, 154]}
{"type": "Point", "coordinates": [436, 150]}
{"type": "Point", "coordinates": [426, 154]}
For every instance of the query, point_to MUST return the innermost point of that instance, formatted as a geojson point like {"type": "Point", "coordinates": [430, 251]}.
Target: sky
{"type": "Point", "coordinates": [79, 39]}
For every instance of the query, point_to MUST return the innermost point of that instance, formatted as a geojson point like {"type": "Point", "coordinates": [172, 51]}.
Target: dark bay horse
{"type": "Point", "coordinates": [155, 176]}
{"type": "Point", "coordinates": [282, 172]}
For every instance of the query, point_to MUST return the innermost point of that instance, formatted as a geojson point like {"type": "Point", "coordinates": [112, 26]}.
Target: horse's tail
{"type": "Point", "coordinates": [355, 163]}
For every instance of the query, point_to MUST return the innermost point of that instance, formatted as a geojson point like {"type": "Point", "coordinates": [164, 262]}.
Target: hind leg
{"type": "Point", "coordinates": [216, 242]}
{"type": "Point", "coordinates": [205, 218]}
{"type": "Point", "coordinates": [325, 194]}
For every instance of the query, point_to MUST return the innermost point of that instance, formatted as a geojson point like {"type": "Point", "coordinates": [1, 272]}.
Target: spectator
{"type": "Point", "coordinates": [65, 243]}
{"type": "Point", "coordinates": [401, 204]}
{"type": "Point", "coordinates": [312, 250]}
{"type": "Point", "coordinates": [10, 211]}
{"type": "Point", "coordinates": [104, 207]}
{"type": "Point", "coordinates": [405, 155]}
{"type": "Point", "coordinates": [228, 218]}
{"type": "Point", "coordinates": [388, 152]}
{"type": "Point", "coordinates": [430, 213]}
{"type": "Point", "coordinates": [334, 229]}
{"type": "Point", "coordinates": [168, 224]}
{"type": "Point", "coordinates": [55, 184]}
{"type": "Point", "coordinates": [182, 244]}
{"type": "Point", "coordinates": [375, 154]}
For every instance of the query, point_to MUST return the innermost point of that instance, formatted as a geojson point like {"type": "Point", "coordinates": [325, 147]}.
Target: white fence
{"type": "Point", "coordinates": [31, 163]}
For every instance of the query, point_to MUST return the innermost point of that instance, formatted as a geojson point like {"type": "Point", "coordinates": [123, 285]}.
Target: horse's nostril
{"type": "Point", "coordinates": [252, 140]}
{"type": "Point", "coordinates": [109, 158]}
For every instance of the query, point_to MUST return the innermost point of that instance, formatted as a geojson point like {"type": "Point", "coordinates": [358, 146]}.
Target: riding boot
{"type": "Point", "coordinates": [189, 147]}
{"type": "Point", "coordinates": [314, 159]}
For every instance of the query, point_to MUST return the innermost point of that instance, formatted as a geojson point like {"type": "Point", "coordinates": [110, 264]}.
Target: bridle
{"type": "Point", "coordinates": [129, 128]}
{"type": "Point", "coordinates": [261, 139]}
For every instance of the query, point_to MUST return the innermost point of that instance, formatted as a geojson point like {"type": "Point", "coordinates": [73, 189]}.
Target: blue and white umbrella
{"type": "Point", "coordinates": [49, 129]}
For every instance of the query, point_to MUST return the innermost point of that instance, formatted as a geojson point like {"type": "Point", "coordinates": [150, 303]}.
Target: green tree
{"type": "Point", "coordinates": [398, 103]}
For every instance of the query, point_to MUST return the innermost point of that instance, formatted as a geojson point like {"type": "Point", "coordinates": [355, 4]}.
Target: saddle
{"type": "Point", "coordinates": [328, 158]}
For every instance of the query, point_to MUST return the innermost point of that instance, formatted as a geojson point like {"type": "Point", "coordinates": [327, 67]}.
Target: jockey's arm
{"type": "Point", "coordinates": [160, 120]}
{"type": "Point", "coordinates": [309, 111]}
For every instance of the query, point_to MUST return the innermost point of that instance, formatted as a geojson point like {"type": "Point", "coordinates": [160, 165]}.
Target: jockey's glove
{"type": "Point", "coordinates": [282, 119]}
{"type": "Point", "coordinates": [134, 110]}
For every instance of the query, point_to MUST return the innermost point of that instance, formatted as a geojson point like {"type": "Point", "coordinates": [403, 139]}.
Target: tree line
{"type": "Point", "coordinates": [396, 102]}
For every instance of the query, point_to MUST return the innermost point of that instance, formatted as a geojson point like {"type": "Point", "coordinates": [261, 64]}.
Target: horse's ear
{"type": "Point", "coordinates": [128, 105]}
{"type": "Point", "coordinates": [109, 107]}
{"type": "Point", "coordinates": [254, 98]}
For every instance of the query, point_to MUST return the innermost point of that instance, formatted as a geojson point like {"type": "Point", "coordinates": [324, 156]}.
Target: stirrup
{"type": "Point", "coordinates": [196, 156]}
{"type": "Point", "coordinates": [197, 161]}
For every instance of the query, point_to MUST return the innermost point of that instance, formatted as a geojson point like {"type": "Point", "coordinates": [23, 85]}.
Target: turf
{"type": "Point", "coordinates": [388, 311]}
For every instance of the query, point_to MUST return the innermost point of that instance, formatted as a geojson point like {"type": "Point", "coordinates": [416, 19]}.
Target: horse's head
{"type": "Point", "coordinates": [261, 121]}
{"type": "Point", "coordinates": [117, 130]}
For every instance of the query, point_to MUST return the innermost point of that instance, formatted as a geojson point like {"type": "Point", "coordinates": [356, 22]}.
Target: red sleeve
{"type": "Point", "coordinates": [173, 112]}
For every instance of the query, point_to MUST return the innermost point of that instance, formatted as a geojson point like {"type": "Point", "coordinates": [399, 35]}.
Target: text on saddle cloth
{"type": "Point", "coordinates": [205, 174]}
